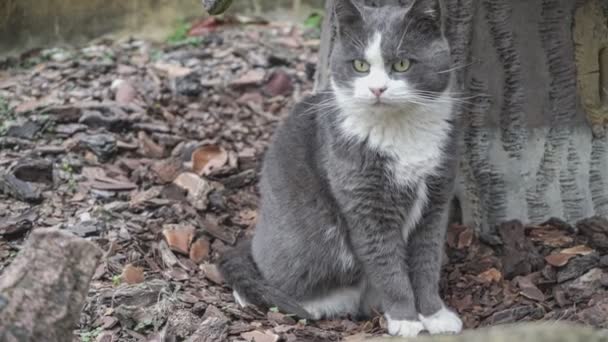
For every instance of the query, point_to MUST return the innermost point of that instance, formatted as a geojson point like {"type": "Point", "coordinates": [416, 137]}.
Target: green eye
{"type": "Point", "coordinates": [360, 66]}
{"type": "Point", "coordinates": [402, 66]}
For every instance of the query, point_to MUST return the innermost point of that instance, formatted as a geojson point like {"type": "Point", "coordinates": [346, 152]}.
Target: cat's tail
{"type": "Point", "coordinates": [240, 271]}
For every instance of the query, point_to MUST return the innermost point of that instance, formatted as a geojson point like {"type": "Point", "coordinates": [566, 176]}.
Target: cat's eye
{"type": "Point", "coordinates": [402, 66]}
{"type": "Point", "coordinates": [360, 66]}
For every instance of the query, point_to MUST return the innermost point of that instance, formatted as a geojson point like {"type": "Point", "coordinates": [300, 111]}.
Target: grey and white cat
{"type": "Point", "coordinates": [356, 182]}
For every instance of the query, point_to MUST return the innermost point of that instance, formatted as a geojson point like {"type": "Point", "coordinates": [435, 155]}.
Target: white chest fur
{"type": "Point", "coordinates": [412, 130]}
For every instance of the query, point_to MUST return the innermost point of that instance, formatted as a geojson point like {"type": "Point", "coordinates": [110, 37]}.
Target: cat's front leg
{"type": "Point", "coordinates": [380, 248]}
{"type": "Point", "coordinates": [425, 248]}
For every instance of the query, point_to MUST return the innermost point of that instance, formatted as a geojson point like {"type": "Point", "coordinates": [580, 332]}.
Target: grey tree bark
{"type": "Point", "coordinates": [535, 75]}
{"type": "Point", "coordinates": [43, 290]}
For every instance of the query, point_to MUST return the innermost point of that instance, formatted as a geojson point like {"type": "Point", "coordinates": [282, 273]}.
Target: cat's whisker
{"type": "Point", "coordinates": [458, 67]}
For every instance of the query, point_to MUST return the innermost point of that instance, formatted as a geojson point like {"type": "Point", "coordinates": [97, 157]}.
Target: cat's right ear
{"type": "Point", "coordinates": [348, 14]}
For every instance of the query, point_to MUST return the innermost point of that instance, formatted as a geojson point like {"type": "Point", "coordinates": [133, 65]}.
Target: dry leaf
{"type": "Point", "coordinates": [208, 158]}
{"type": "Point", "coordinates": [490, 276]}
{"type": "Point", "coordinates": [132, 275]}
{"type": "Point", "coordinates": [465, 239]}
{"type": "Point", "coordinates": [179, 237]}
{"type": "Point", "coordinates": [199, 251]}
{"type": "Point", "coordinates": [578, 250]}
{"type": "Point", "coordinates": [550, 237]}
{"type": "Point", "coordinates": [559, 259]}
{"type": "Point", "coordinates": [529, 290]}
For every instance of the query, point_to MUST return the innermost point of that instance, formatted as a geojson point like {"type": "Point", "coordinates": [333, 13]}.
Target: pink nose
{"type": "Point", "coordinates": [378, 91]}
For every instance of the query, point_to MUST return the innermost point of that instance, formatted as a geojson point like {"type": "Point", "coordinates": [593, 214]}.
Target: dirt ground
{"type": "Point", "coordinates": [152, 151]}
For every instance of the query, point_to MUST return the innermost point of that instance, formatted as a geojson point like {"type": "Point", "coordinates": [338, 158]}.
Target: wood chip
{"type": "Point", "coordinates": [200, 249]}
{"type": "Point", "coordinates": [179, 237]}
{"type": "Point", "coordinates": [208, 158]}
{"type": "Point", "coordinates": [490, 276]}
{"type": "Point", "coordinates": [212, 273]}
{"type": "Point", "coordinates": [132, 275]}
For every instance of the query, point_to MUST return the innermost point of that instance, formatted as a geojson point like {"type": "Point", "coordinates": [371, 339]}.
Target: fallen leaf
{"type": "Point", "coordinates": [179, 237]}
{"type": "Point", "coordinates": [208, 158]}
{"type": "Point", "coordinates": [578, 250]}
{"type": "Point", "coordinates": [490, 276]}
{"type": "Point", "coordinates": [551, 237]}
{"type": "Point", "coordinates": [199, 251]}
{"type": "Point", "coordinates": [132, 275]}
{"type": "Point", "coordinates": [559, 259]}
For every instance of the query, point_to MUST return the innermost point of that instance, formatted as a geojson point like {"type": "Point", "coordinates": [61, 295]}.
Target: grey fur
{"type": "Point", "coordinates": [331, 216]}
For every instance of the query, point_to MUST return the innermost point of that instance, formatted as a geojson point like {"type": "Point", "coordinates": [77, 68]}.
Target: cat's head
{"type": "Point", "coordinates": [390, 56]}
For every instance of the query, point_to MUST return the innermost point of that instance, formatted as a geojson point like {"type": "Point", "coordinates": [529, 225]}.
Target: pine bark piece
{"type": "Point", "coordinates": [42, 292]}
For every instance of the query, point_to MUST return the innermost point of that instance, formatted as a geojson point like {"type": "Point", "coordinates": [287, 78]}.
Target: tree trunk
{"type": "Point", "coordinates": [43, 290]}
{"type": "Point", "coordinates": [533, 138]}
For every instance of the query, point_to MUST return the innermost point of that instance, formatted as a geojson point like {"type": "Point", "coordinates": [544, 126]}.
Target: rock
{"type": "Point", "coordinates": [577, 267]}
{"type": "Point", "coordinates": [189, 85]}
{"type": "Point", "coordinates": [585, 286]}
{"type": "Point", "coordinates": [87, 228]}
{"type": "Point", "coordinates": [518, 255]}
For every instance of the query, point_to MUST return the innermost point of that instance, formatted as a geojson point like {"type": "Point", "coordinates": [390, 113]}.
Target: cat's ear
{"type": "Point", "coordinates": [429, 9]}
{"type": "Point", "coordinates": [348, 14]}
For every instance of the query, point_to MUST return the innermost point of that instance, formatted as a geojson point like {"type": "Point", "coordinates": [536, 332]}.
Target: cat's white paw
{"type": "Point", "coordinates": [240, 300]}
{"type": "Point", "coordinates": [403, 328]}
{"type": "Point", "coordinates": [443, 321]}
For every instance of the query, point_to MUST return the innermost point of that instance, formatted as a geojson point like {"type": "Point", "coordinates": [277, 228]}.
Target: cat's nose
{"type": "Point", "coordinates": [377, 91]}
